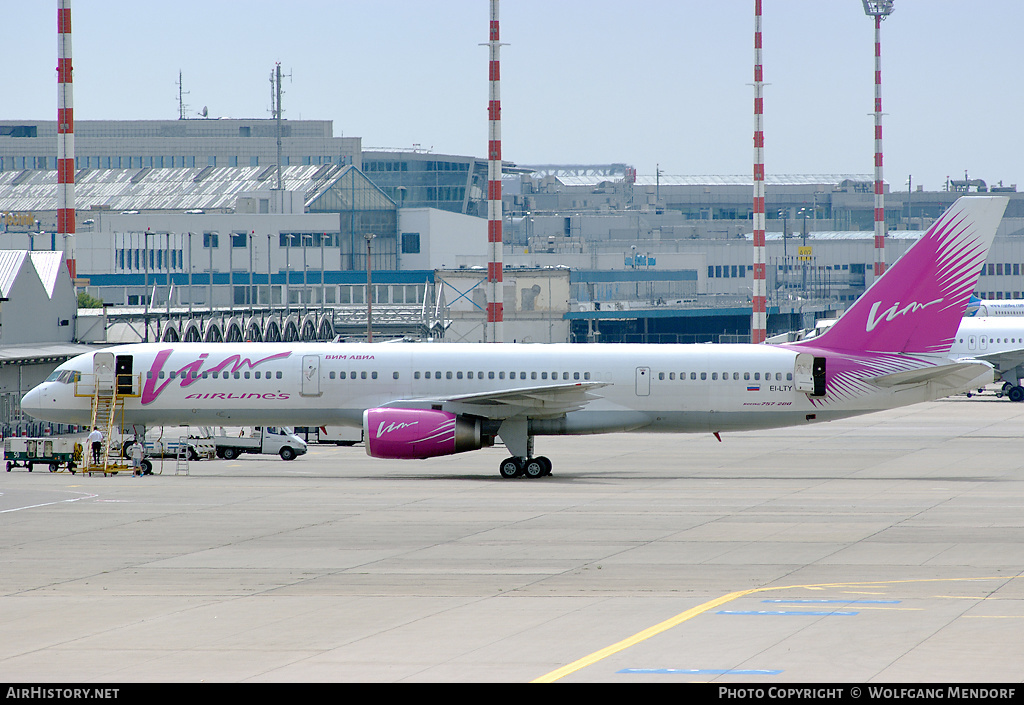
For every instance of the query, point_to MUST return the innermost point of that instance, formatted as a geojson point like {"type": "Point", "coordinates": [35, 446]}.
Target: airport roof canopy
{"type": "Point", "coordinates": [45, 265]}
{"type": "Point", "coordinates": [207, 188]}
{"type": "Point", "coordinates": [710, 180]}
{"type": "Point", "coordinates": [346, 189]}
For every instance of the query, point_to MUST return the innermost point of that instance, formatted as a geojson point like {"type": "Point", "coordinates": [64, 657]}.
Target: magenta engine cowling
{"type": "Point", "coordinates": [418, 433]}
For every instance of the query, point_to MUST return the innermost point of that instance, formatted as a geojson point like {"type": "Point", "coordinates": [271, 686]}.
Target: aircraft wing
{"type": "Point", "coordinates": [1004, 361]}
{"type": "Point", "coordinates": [547, 400]}
{"type": "Point", "coordinates": [956, 375]}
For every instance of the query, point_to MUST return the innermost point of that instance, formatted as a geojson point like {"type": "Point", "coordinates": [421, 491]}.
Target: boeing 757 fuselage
{"type": "Point", "coordinates": [421, 400]}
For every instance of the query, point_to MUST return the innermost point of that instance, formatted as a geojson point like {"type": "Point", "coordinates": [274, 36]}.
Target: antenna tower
{"type": "Point", "coordinates": [494, 331]}
{"type": "Point", "coordinates": [181, 97]}
{"type": "Point", "coordinates": [759, 299]}
{"type": "Point", "coordinates": [65, 137]}
{"type": "Point", "coordinates": [277, 110]}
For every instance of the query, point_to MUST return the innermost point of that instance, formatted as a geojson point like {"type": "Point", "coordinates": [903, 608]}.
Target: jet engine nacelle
{"type": "Point", "coordinates": [418, 433]}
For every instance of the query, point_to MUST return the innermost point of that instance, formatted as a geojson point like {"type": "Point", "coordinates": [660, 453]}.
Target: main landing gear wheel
{"type": "Point", "coordinates": [1016, 394]}
{"type": "Point", "coordinates": [537, 467]}
{"type": "Point", "coordinates": [531, 467]}
{"type": "Point", "coordinates": [510, 467]}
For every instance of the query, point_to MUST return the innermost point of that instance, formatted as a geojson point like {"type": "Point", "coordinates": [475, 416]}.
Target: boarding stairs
{"type": "Point", "coordinates": [107, 393]}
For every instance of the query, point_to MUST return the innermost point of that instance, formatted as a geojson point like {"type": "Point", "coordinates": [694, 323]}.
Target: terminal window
{"type": "Point", "coordinates": [410, 243]}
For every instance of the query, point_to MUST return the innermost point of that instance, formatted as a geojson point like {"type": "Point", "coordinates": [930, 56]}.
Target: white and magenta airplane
{"type": "Point", "coordinates": [423, 400]}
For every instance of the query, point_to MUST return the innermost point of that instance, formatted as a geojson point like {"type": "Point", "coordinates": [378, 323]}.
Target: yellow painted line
{"type": "Point", "coordinates": [641, 636]}
{"type": "Point", "coordinates": [717, 602]}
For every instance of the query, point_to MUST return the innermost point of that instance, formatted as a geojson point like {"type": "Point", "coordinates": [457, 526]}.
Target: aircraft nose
{"type": "Point", "coordinates": [32, 403]}
{"type": "Point", "coordinates": [52, 402]}
{"type": "Point", "coordinates": [41, 403]}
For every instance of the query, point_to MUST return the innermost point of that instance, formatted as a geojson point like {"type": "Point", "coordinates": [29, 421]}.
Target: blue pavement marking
{"type": "Point", "coordinates": [788, 613]}
{"type": "Point", "coordinates": [702, 671]}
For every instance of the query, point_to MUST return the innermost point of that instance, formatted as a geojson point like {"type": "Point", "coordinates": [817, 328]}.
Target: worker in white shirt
{"type": "Point", "coordinates": [96, 439]}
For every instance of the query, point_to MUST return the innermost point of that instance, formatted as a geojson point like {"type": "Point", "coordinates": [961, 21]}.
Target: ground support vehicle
{"type": "Point", "coordinates": [52, 452]}
{"type": "Point", "coordinates": [339, 435]}
{"type": "Point", "coordinates": [261, 439]}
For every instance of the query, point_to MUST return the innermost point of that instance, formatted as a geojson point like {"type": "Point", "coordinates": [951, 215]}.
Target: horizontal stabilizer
{"type": "Point", "coordinates": [956, 376]}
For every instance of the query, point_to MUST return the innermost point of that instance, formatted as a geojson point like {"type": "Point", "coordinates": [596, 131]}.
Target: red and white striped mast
{"type": "Point", "coordinates": [879, 9]}
{"type": "Point", "coordinates": [494, 332]}
{"type": "Point", "coordinates": [759, 300]}
{"type": "Point", "coordinates": [65, 137]}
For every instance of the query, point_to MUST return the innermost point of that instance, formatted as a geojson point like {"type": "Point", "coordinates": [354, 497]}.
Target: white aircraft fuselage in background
{"type": "Point", "coordinates": [999, 341]}
{"type": "Point", "coordinates": [995, 307]}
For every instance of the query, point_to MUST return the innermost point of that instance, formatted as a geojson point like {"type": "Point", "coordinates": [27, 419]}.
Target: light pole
{"type": "Point", "coordinates": [249, 294]}
{"type": "Point", "coordinates": [145, 285]}
{"type": "Point", "coordinates": [210, 238]}
{"type": "Point", "coordinates": [369, 292]}
{"type": "Point", "coordinates": [803, 255]}
{"type": "Point", "coordinates": [190, 276]}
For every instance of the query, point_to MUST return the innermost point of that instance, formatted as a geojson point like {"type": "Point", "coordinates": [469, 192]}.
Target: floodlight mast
{"type": "Point", "coordinates": [879, 9]}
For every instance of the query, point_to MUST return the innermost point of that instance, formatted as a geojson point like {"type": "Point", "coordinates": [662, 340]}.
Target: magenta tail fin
{"type": "Point", "coordinates": [917, 305]}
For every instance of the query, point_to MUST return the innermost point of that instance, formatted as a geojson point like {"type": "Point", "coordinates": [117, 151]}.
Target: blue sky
{"type": "Point", "coordinates": [645, 82]}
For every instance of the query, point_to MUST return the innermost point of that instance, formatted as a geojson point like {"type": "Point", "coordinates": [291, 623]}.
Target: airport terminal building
{"type": "Point", "coordinates": [168, 144]}
{"type": "Point", "coordinates": [195, 213]}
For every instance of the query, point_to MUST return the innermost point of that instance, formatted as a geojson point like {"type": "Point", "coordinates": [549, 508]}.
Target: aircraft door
{"type": "Point", "coordinates": [103, 368]}
{"type": "Point", "coordinates": [310, 375]}
{"type": "Point", "coordinates": [809, 375]}
{"type": "Point", "coordinates": [123, 373]}
{"type": "Point", "coordinates": [818, 374]}
{"type": "Point", "coordinates": [643, 381]}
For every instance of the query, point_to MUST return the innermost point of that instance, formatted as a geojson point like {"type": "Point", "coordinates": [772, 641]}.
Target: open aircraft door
{"type": "Point", "coordinates": [809, 374]}
{"type": "Point", "coordinates": [123, 371]}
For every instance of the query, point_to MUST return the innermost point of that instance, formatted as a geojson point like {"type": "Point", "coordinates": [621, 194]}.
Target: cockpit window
{"type": "Point", "coordinates": [64, 376]}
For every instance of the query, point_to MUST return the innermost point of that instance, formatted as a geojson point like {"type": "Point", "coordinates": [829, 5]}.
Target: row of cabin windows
{"type": "Point", "coordinates": [747, 376]}
{"type": "Point", "coordinates": [357, 375]}
{"type": "Point", "coordinates": [501, 375]}
{"type": "Point", "coordinates": [998, 340]}
{"type": "Point", "coordinates": [215, 375]}
{"type": "Point", "coordinates": [471, 375]}
{"type": "Point", "coordinates": [438, 374]}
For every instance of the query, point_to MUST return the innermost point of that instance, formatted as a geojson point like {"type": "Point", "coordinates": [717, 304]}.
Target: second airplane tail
{"type": "Point", "coordinates": [917, 305]}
